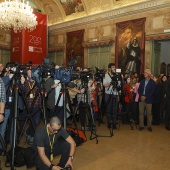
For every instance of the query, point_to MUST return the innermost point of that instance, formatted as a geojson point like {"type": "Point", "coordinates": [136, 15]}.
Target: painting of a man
{"type": "Point", "coordinates": [133, 51]}
{"type": "Point", "coordinates": [129, 44]}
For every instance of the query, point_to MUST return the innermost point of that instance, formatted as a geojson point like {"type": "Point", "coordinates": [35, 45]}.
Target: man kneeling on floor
{"type": "Point", "coordinates": [52, 140]}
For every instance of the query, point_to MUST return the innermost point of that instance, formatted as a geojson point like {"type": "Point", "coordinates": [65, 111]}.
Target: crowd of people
{"type": "Point", "coordinates": [144, 98]}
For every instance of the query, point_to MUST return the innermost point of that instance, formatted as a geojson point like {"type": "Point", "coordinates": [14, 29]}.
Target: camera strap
{"type": "Point", "coordinates": [31, 88]}
{"type": "Point", "coordinates": [111, 80]}
{"type": "Point", "coordinates": [58, 100]}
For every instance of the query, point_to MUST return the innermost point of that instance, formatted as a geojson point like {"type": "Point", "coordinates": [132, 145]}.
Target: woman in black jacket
{"type": "Point", "coordinates": [156, 101]}
{"type": "Point", "coordinates": [167, 107]}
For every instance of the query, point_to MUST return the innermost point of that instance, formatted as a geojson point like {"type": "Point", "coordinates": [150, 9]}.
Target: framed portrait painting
{"type": "Point", "coordinates": [130, 44]}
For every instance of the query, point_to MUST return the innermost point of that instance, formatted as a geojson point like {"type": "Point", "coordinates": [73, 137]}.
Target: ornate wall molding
{"type": "Point", "coordinates": [97, 43]}
{"type": "Point", "coordinates": [115, 13]}
{"type": "Point", "coordinates": [5, 47]}
{"type": "Point", "coordinates": [56, 49]}
{"type": "Point", "coordinates": [157, 37]}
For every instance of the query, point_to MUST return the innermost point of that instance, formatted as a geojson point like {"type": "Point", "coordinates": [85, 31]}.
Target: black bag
{"type": "Point", "coordinates": [30, 157]}
{"type": "Point", "coordinates": [18, 157]}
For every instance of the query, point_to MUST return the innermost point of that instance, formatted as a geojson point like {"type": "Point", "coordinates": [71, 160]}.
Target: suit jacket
{"type": "Point", "coordinates": [149, 91]}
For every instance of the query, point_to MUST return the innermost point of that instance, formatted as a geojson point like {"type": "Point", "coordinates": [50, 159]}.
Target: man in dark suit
{"type": "Point", "coordinates": [146, 90]}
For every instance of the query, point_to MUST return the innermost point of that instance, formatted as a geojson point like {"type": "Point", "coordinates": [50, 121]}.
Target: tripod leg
{"type": "Point", "coordinates": [4, 148]}
{"type": "Point", "coordinates": [71, 109]}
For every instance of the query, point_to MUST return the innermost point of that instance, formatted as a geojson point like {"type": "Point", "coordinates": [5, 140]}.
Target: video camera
{"type": "Point", "coordinates": [64, 74]}
{"type": "Point", "coordinates": [18, 69]}
{"type": "Point", "coordinates": [67, 168]}
{"type": "Point", "coordinates": [85, 76]}
{"type": "Point", "coordinates": [116, 79]}
{"type": "Point", "coordinates": [99, 75]}
{"type": "Point", "coordinates": [43, 71]}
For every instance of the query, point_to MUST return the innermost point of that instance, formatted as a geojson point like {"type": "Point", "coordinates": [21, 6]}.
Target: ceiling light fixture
{"type": "Point", "coordinates": [18, 15]}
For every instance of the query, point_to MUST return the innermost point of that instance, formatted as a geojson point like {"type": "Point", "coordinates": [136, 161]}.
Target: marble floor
{"type": "Point", "coordinates": [126, 150]}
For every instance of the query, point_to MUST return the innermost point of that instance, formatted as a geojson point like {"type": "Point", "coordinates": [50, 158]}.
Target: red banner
{"type": "Point", "coordinates": [16, 47]}
{"type": "Point", "coordinates": [31, 46]}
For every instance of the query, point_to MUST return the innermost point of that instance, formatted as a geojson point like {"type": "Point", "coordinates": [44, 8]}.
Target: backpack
{"type": "Point", "coordinates": [78, 135]}
{"type": "Point", "coordinates": [19, 160]}
{"type": "Point", "coordinates": [30, 155]}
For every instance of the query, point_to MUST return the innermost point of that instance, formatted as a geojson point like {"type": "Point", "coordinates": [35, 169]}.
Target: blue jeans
{"type": "Point", "coordinates": [3, 126]}
{"type": "Point", "coordinates": [35, 116]}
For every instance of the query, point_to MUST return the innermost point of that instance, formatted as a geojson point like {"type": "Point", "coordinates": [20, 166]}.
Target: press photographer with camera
{"type": "Point", "coordinates": [52, 140]}
{"type": "Point", "coordinates": [8, 82]}
{"type": "Point", "coordinates": [2, 100]}
{"type": "Point", "coordinates": [34, 102]}
{"type": "Point", "coordinates": [55, 92]}
{"type": "Point", "coordinates": [112, 84]}
{"type": "Point", "coordinates": [2, 109]}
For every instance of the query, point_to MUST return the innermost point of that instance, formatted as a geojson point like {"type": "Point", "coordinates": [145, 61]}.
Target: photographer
{"type": "Point", "coordinates": [33, 100]}
{"type": "Point", "coordinates": [2, 100]}
{"type": "Point", "coordinates": [52, 140]}
{"type": "Point", "coordinates": [112, 84]}
{"type": "Point", "coordinates": [7, 80]}
{"type": "Point", "coordinates": [97, 94]}
{"type": "Point", "coordinates": [54, 89]}
{"type": "Point", "coordinates": [2, 108]}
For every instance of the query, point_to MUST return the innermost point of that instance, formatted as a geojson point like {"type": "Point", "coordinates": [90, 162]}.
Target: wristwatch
{"type": "Point", "coordinates": [71, 157]}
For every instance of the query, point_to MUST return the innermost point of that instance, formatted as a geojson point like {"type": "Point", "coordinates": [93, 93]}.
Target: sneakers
{"type": "Point", "coordinates": [141, 128]}
{"type": "Point", "coordinates": [149, 129]}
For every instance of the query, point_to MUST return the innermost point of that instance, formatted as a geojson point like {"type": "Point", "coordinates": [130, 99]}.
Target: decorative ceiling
{"type": "Point", "coordinates": [60, 11]}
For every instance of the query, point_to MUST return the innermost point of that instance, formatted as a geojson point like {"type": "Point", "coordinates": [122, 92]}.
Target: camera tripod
{"type": "Point", "coordinates": [66, 100]}
{"type": "Point", "coordinates": [32, 112]}
{"type": "Point", "coordinates": [87, 104]}
{"type": "Point", "coordinates": [14, 112]}
{"type": "Point", "coordinates": [99, 99]}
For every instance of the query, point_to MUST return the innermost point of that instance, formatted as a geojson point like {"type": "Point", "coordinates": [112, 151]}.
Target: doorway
{"type": "Point", "coordinates": [160, 53]}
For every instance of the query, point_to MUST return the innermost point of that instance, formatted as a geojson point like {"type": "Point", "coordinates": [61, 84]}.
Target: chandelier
{"type": "Point", "coordinates": [18, 15]}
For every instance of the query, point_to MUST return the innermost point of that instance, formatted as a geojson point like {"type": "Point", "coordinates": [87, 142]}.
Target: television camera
{"type": "Point", "coordinates": [99, 75]}
{"type": "Point", "coordinates": [116, 79]}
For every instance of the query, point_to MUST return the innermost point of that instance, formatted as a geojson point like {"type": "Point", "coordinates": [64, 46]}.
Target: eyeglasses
{"type": "Point", "coordinates": [55, 130]}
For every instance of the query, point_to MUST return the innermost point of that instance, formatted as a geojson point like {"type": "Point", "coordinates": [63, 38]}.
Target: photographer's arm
{"type": "Point", "coordinates": [106, 81]}
{"type": "Point", "coordinates": [107, 85]}
{"type": "Point", "coordinates": [76, 90]}
{"type": "Point", "coordinates": [72, 150]}
{"type": "Point", "coordinates": [45, 159]}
